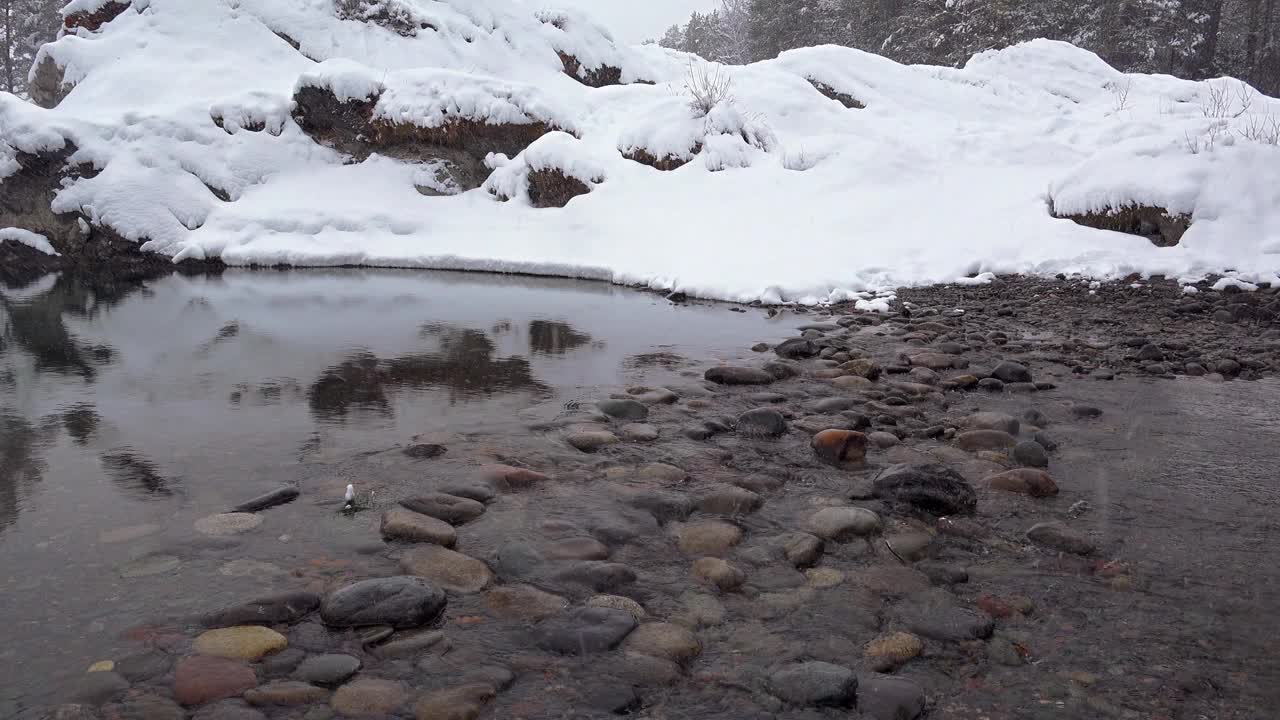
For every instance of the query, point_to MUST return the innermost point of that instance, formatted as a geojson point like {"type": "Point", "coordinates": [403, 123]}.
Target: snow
{"type": "Point", "coordinates": [28, 238]}
{"type": "Point", "coordinates": [948, 175]}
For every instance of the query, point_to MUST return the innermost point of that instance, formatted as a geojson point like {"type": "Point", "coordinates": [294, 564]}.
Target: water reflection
{"type": "Point", "coordinates": [554, 338]}
{"type": "Point", "coordinates": [21, 465]}
{"type": "Point", "coordinates": [135, 473]}
{"type": "Point", "coordinates": [466, 365]}
{"type": "Point", "coordinates": [81, 422]}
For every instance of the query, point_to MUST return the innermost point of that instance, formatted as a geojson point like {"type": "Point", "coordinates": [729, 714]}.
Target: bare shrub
{"type": "Point", "coordinates": [1121, 93]}
{"type": "Point", "coordinates": [708, 85]}
{"type": "Point", "coordinates": [1264, 129]}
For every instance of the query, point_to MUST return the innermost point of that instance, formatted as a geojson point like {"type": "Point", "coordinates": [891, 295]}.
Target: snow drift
{"type": "Point", "coordinates": [478, 134]}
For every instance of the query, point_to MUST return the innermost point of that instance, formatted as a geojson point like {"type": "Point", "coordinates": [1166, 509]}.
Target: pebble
{"type": "Point", "coordinates": [730, 500]}
{"type": "Point", "coordinates": [1056, 536]}
{"type": "Point", "coordinates": [862, 367]}
{"type": "Point", "coordinates": [589, 441]}
{"type": "Point", "coordinates": [662, 473]}
{"type": "Point", "coordinates": [144, 665]}
{"type": "Point", "coordinates": [403, 524]}
{"type": "Point", "coordinates": [892, 650]}
{"type": "Point", "coordinates": [937, 361]}
{"type": "Point", "coordinates": [886, 697]}
{"type": "Point", "coordinates": [637, 432]}
{"type": "Point", "coordinates": [991, 384]}
{"type": "Point", "coordinates": [229, 710]}
{"type": "Point", "coordinates": [412, 644]}
{"type": "Point", "coordinates": [992, 421]}
{"type": "Point", "coordinates": [464, 702]}
{"type": "Point", "coordinates": [401, 602]}
{"type": "Point", "coordinates": [246, 642]}
{"type": "Point", "coordinates": [1031, 454]}
{"type": "Point", "coordinates": [943, 573]}
{"type": "Point", "coordinates": [883, 439]}
{"type": "Point", "coordinates": [286, 693]}
{"type": "Point", "coordinates": [370, 697]}
{"type": "Point", "coordinates": [840, 447]}
{"type": "Point", "coordinates": [802, 549]}
{"type": "Point", "coordinates": [329, 669]}
{"type": "Point", "coordinates": [452, 509]}
{"type": "Point", "coordinates": [852, 383]}
{"type": "Point", "coordinates": [735, 375]}
{"type": "Point", "coordinates": [523, 601]}
{"type": "Point", "coordinates": [664, 640]}
{"type": "Point", "coordinates": [578, 548]}
{"type": "Point", "coordinates": [909, 546]}
{"type": "Point", "coordinates": [505, 478]}
{"type": "Point", "coordinates": [762, 422]}
{"type": "Point", "coordinates": [663, 506]}
{"type": "Point", "coordinates": [151, 707]}
{"type": "Point", "coordinates": [1085, 411]}
{"type": "Point", "coordinates": [700, 610]}
{"type": "Point", "coordinates": [97, 688]}
{"type": "Point", "coordinates": [724, 576]}
{"type": "Point", "coordinates": [624, 409]}
{"type": "Point", "coordinates": [815, 683]}
{"type": "Point", "coordinates": [935, 488]}
{"type": "Point", "coordinates": [425, 451]}
{"type": "Point", "coordinates": [285, 608]}
{"type": "Point", "coordinates": [975, 440]}
{"type": "Point", "coordinates": [822, 578]}
{"type": "Point", "coordinates": [224, 524]}
{"type": "Point", "coordinates": [584, 630]}
{"type": "Point", "coordinates": [618, 602]}
{"type": "Point", "coordinates": [709, 537]}
{"type": "Point", "coordinates": [449, 569]}
{"type": "Point", "coordinates": [1025, 481]}
{"type": "Point", "coordinates": [935, 616]}
{"type": "Point", "coordinates": [599, 576]}
{"type": "Point", "coordinates": [200, 679]}
{"type": "Point", "coordinates": [843, 523]}
{"type": "Point", "coordinates": [1011, 372]}
{"type": "Point", "coordinates": [149, 565]}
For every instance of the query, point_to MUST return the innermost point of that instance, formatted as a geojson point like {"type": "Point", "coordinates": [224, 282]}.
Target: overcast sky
{"type": "Point", "coordinates": [636, 20]}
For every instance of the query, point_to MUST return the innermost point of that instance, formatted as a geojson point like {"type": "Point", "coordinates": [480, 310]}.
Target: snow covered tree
{"type": "Point", "coordinates": [25, 25]}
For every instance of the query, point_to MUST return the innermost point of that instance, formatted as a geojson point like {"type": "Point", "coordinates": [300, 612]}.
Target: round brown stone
{"type": "Point", "coordinates": [199, 679]}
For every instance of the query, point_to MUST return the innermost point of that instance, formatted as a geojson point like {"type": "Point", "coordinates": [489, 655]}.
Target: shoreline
{"type": "Point", "coordinates": [735, 541]}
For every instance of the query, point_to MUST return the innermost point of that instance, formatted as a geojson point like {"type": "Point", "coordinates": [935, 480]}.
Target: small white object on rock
{"type": "Point", "coordinates": [350, 497]}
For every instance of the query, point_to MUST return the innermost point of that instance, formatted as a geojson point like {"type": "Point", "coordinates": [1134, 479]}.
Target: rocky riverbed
{"type": "Point", "coordinates": [1028, 499]}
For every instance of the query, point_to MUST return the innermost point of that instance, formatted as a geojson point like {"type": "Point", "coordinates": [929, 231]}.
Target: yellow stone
{"type": "Point", "coordinates": [894, 648]}
{"type": "Point", "coordinates": [822, 577]}
{"type": "Point", "coordinates": [103, 666]}
{"type": "Point", "coordinates": [246, 642]}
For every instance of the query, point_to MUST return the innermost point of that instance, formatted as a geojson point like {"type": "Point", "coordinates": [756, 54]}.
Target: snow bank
{"type": "Point", "coordinates": [28, 238]}
{"type": "Point", "coordinates": [777, 193]}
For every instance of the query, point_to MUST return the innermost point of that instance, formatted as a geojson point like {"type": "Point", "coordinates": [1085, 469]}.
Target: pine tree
{"type": "Point", "coordinates": [25, 25]}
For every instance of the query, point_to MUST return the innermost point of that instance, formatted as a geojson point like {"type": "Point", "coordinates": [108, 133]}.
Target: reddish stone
{"type": "Point", "coordinates": [995, 607]}
{"type": "Point", "coordinates": [199, 679]}
{"type": "Point", "coordinates": [840, 446]}
{"type": "Point", "coordinates": [91, 21]}
{"type": "Point", "coordinates": [1026, 481]}
{"type": "Point", "coordinates": [507, 477]}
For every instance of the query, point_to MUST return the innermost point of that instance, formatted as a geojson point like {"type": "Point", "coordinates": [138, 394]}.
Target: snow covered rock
{"type": "Point", "coordinates": [91, 15]}
{"type": "Point", "coordinates": [551, 172]}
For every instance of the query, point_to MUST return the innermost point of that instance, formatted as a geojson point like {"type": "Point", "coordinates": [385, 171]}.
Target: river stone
{"type": "Point", "coordinates": [663, 506]}
{"type": "Point", "coordinates": [229, 710]}
{"type": "Point", "coordinates": [149, 565]}
{"type": "Point", "coordinates": [506, 478]}
{"type": "Point", "coordinates": [599, 576]}
{"type": "Point", "coordinates": [938, 618]}
{"type": "Point", "coordinates": [452, 509]}
{"type": "Point", "coordinates": [862, 367]}
{"type": "Point", "coordinates": [279, 496]}
{"type": "Point", "coordinates": [802, 549]}
{"type": "Point", "coordinates": [618, 602]}
{"type": "Point", "coordinates": [232, 523]}
{"type": "Point", "coordinates": [464, 702]}
{"type": "Point", "coordinates": [286, 692]}
{"type": "Point", "coordinates": [285, 608]}
{"type": "Point", "coordinates": [1031, 454]}
{"type": "Point", "coordinates": [815, 683]}
{"type": "Point", "coordinates": [909, 545]}
{"type": "Point", "coordinates": [709, 537]}
{"type": "Point", "coordinates": [1056, 536]}
{"type": "Point", "coordinates": [331, 669]}
{"type": "Point", "coordinates": [589, 441]}
{"type": "Point", "coordinates": [369, 697]}
{"type": "Point", "coordinates": [796, 348]}
{"type": "Point", "coordinates": [584, 630]}
{"type": "Point", "coordinates": [852, 383]}
{"type": "Point", "coordinates": [150, 707]}
{"type": "Point", "coordinates": [734, 375]}
{"type": "Point", "coordinates": [401, 602]}
{"type": "Point", "coordinates": [523, 601]}
{"type": "Point", "coordinates": [517, 562]}
{"type": "Point", "coordinates": [144, 665]}
{"type": "Point", "coordinates": [936, 361]}
{"type": "Point", "coordinates": [662, 473]}
{"type": "Point", "coordinates": [975, 440]}
{"type": "Point", "coordinates": [730, 500]}
{"type": "Point", "coordinates": [639, 432]}
{"type": "Point", "coordinates": [992, 421]}
{"type": "Point", "coordinates": [413, 644]}
{"type": "Point", "coordinates": [840, 447]}
{"type": "Point", "coordinates": [935, 488]}
{"type": "Point", "coordinates": [1085, 412]}
{"type": "Point", "coordinates": [245, 642]}
{"type": "Point", "coordinates": [890, 651]}
{"type": "Point", "coordinates": [578, 548]}
{"type": "Point", "coordinates": [1011, 372]}
{"type": "Point", "coordinates": [607, 695]}
{"type": "Point", "coordinates": [624, 409]}
{"type": "Point", "coordinates": [425, 451]}
{"type": "Point", "coordinates": [97, 688]}
{"type": "Point", "coordinates": [451, 570]}
{"type": "Point", "coordinates": [885, 697]}
{"type": "Point", "coordinates": [476, 489]}
{"type": "Point", "coordinates": [402, 524]}
{"type": "Point", "coordinates": [943, 573]}
{"type": "Point", "coordinates": [762, 422]}
{"type": "Point", "coordinates": [200, 679]}
{"type": "Point", "coordinates": [1025, 481]}
{"type": "Point", "coordinates": [719, 573]}
{"type": "Point", "coordinates": [283, 662]}
{"type": "Point", "coordinates": [843, 523]}
{"type": "Point", "coordinates": [883, 439]}
{"type": "Point", "coordinates": [664, 640]}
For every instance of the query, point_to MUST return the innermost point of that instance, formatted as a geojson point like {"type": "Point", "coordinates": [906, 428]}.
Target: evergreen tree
{"type": "Point", "coordinates": [25, 25]}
